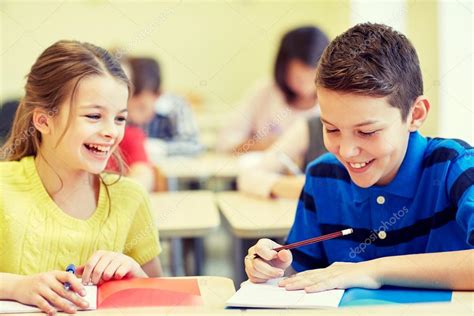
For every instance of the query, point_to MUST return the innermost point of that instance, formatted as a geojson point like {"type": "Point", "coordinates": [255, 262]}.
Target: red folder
{"type": "Point", "coordinates": [148, 293]}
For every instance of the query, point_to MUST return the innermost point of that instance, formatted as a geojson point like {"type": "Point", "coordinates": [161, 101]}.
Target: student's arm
{"type": "Point", "coordinates": [153, 268]}
{"type": "Point", "coordinates": [265, 178]}
{"type": "Point", "coordinates": [144, 174]}
{"type": "Point", "coordinates": [44, 290]}
{"type": "Point", "coordinates": [288, 187]}
{"type": "Point", "coordinates": [445, 270]}
{"type": "Point", "coordinates": [134, 152]}
{"type": "Point", "coordinates": [255, 144]}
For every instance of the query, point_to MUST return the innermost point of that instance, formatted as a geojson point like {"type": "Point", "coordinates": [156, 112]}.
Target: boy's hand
{"type": "Point", "coordinates": [106, 265]}
{"type": "Point", "coordinates": [339, 275]}
{"type": "Point", "coordinates": [269, 265]}
{"type": "Point", "coordinates": [47, 292]}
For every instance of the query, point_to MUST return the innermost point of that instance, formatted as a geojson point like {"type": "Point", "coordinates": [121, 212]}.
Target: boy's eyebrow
{"type": "Point", "coordinates": [357, 125]}
{"type": "Point", "coordinates": [101, 107]}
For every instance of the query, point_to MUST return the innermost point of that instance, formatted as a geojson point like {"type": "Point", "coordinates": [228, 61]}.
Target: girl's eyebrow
{"type": "Point", "coordinates": [101, 107]}
{"type": "Point", "coordinates": [369, 122]}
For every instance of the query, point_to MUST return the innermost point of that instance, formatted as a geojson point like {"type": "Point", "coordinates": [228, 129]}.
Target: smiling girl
{"type": "Point", "coordinates": [56, 205]}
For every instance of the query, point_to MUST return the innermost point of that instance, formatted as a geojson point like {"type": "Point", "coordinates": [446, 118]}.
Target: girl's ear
{"type": "Point", "coordinates": [418, 113]}
{"type": "Point", "coordinates": [42, 122]}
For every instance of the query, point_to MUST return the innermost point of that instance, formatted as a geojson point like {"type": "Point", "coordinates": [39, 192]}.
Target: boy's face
{"type": "Point", "coordinates": [366, 134]}
{"type": "Point", "coordinates": [141, 107]}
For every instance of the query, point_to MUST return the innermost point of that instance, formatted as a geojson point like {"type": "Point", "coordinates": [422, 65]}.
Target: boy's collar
{"type": "Point", "coordinates": [405, 183]}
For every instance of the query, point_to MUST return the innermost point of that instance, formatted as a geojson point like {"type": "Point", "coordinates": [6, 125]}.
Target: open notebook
{"type": "Point", "coordinates": [130, 293]}
{"type": "Point", "coordinates": [270, 295]}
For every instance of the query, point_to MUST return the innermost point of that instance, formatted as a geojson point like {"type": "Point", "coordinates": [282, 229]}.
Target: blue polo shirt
{"type": "Point", "coordinates": [427, 207]}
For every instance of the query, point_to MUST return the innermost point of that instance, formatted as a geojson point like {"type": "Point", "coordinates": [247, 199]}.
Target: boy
{"type": "Point", "coordinates": [409, 199]}
{"type": "Point", "coordinates": [161, 115]}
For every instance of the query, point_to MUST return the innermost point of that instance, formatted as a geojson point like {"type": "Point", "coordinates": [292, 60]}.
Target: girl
{"type": "Point", "coordinates": [273, 106]}
{"type": "Point", "coordinates": [55, 206]}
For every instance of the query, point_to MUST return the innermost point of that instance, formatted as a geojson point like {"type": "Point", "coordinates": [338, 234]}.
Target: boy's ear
{"type": "Point", "coordinates": [418, 113]}
{"type": "Point", "coordinates": [41, 122]}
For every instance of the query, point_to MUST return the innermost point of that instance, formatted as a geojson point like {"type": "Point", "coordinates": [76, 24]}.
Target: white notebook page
{"type": "Point", "coordinates": [270, 295]}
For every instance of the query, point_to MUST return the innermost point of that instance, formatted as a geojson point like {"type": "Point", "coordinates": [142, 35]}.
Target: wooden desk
{"type": "Point", "coordinates": [200, 168]}
{"type": "Point", "coordinates": [250, 218]}
{"type": "Point", "coordinates": [255, 217]}
{"type": "Point", "coordinates": [215, 291]}
{"type": "Point", "coordinates": [185, 214]}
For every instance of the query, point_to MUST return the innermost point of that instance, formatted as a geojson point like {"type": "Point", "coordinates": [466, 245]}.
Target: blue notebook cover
{"type": "Point", "coordinates": [392, 295]}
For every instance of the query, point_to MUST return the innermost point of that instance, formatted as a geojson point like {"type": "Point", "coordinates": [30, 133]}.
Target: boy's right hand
{"type": "Point", "coordinates": [270, 264]}
{"type": "Point", "coordinates": [47, 292]}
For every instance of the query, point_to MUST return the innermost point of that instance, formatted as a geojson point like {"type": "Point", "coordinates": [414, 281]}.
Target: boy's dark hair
{"type": "Point", "coordinates": [305, 44]}
{"type": "Point", "coordinates": [373, 60]}
{"type": "Point", "coordinates": [146, 75]}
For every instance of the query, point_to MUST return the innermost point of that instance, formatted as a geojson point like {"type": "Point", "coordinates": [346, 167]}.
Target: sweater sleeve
{"type": "Point", "coordinates": [143, 241]}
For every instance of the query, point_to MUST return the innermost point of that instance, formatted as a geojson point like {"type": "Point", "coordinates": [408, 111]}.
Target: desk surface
{"type": "Point", "coordinates": [185, 213]}
{"type": "Point", "coordinates": [215, 291]}
{"type": "Point", "coordinates": [203, 166]}
{"type": "Point", "coordinates": [254, 217]}
{"type": "Point", "coordinates": [461, 305]}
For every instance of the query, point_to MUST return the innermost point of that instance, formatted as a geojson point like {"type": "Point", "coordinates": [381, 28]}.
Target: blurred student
{"type": "Point", "coordinates": [273, 106]}
{"type": "Point", "coordinates": [7, 114]}
{"type": "Point", "coordinates": [161, 115]}
{"type": "Point", "coordinates": [56, 205]}
{"type": "Point", "coordinates": [280, 172]}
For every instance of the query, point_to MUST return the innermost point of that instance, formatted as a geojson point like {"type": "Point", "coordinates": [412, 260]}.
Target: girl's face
{"type": "Point", "coordinates": [96, 126]}
{"type": "Point", "coordinates": [300, 78]}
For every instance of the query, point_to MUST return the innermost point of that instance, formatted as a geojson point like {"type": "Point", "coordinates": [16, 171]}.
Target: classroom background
{"type": "Point", "coordinates": [213, 52]}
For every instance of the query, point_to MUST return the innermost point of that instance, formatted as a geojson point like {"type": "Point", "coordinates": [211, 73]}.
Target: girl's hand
{"type": "Point", "coordinates": [106, 265]}
{"type": "Point", "coordinates": [339, 275]}
{"type": "Point", "coordinates": [269, 265]}
{"type": "Point", "coordinates": [46, 290]}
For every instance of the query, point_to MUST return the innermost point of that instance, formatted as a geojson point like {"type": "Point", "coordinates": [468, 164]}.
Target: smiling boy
{"type": "Point", "coordinates": [409, 199]}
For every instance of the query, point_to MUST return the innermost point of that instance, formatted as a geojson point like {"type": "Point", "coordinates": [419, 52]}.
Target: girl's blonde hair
{"type": "Point", "coordinates": [54, 76]}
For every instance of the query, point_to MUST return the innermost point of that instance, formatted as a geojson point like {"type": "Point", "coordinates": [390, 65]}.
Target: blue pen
{"type": "Point", "coordinates": [71, 268]}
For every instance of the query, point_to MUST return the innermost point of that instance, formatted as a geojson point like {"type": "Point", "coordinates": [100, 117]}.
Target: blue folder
{"type": "Point", "coordinates": [392, 295]}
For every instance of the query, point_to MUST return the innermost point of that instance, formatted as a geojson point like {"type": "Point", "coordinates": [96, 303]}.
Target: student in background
{"type": "Point", "coordinates": [7, 114]}
{"type": "Point", "coordinates": [56, 205]}
{"type": "Point", "coordinates": [132, 147]}
{"type": "Point", "coordinates": [280, 172]}
{"type": "Point", "coordinates": [273, 106]}
{"type": "Point", "coordinates": [409, 199]}
{"type": "Point", "coordinates": [163, 116]}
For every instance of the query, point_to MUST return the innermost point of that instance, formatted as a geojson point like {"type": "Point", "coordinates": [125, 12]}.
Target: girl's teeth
{"type": "Point", "coordinates": [99, 147]}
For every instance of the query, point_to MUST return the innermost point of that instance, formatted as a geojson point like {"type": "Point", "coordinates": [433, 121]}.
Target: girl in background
{"type": "Point", "coordinates": [273, 106]}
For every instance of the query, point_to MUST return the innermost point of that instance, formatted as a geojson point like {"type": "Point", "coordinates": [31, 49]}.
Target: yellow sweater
{"type": "Point", "coordinates": [37, 236]}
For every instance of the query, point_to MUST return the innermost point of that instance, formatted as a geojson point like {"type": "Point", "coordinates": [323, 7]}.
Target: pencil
{"type": "Point", "coordinates": [312, 240]}
{"type": "Point", "coordinates": [289, 164]}
{"type": "Point", "coordinates": [316, 239]}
